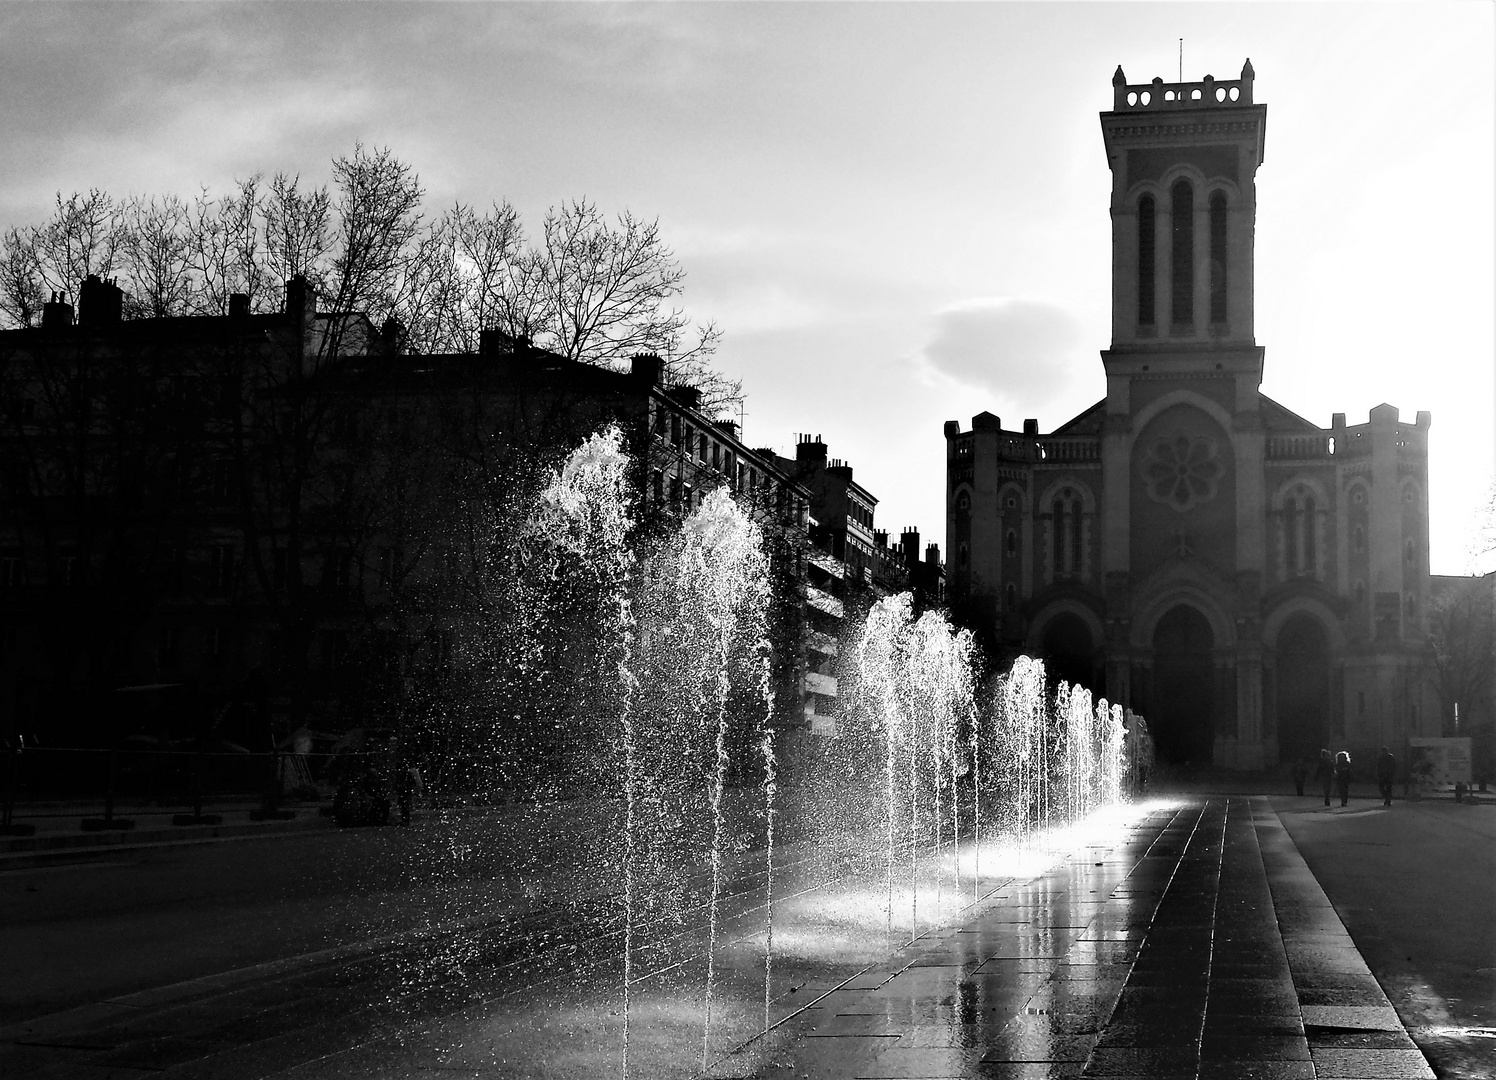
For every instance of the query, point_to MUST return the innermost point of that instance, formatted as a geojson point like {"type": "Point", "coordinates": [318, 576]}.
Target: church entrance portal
{"type": "Point", "coordinates": [1303, 662]}
{"type": "Point", "coordinates": [1182, 703]}
{"type": "Point", "coordinates": [1069, 652]}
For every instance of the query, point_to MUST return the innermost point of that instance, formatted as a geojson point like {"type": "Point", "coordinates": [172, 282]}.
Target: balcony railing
{"type": "Point", "coordinates": [1298, 447]}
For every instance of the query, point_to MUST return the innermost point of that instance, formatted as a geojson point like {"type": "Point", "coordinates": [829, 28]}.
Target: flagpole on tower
{"type": "Point", "coordinates": [1181, 59]}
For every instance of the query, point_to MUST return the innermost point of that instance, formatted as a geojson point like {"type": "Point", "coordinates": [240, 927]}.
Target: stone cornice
{"type": "Point", "coordinates": [1192, 130]}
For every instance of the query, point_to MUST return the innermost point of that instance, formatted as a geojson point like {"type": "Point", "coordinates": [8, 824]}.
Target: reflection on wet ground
{"type": "Point", "coordinates": [1198, 946]}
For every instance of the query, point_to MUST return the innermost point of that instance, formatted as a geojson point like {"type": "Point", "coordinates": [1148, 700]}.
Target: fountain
{"type": "Point", "coordinates": [699, 865]}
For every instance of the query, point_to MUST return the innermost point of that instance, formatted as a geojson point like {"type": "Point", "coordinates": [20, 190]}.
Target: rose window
{"type": "Point", "coordinates": [1183, 471]}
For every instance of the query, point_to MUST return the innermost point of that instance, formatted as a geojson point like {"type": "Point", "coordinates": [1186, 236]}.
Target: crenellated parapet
{"type": "Point", "coordinates": [1208, 93]}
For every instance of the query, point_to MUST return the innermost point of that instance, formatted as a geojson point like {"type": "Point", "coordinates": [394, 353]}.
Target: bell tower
{"type": "Point", "coordinates": [1184, 160]}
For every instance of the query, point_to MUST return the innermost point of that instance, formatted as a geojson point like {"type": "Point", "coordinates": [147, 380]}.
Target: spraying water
{"type": "Point", "coordinates": [923, 770]}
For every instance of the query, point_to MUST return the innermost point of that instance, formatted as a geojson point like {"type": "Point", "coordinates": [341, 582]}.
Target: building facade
{"type": "Point", "coordinates": [1255, 585]}
{"type": "Point", "coordinates": [849, 567]}
{"type": "Point", "coordinates": [280, 516]}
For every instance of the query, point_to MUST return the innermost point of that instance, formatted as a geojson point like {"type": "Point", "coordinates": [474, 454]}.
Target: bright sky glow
{"type": "Point", "coordinates": [898, 213]}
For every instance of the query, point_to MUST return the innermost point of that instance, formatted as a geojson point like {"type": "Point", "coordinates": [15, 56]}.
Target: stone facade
{"type": "Point", "coordinates": [1254, 584]}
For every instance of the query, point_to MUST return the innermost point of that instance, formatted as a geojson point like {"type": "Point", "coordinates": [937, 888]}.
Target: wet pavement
{"type": "Point", "coordinates": [1192, 941]}
{"type": "Point", "coordinates": [1199, 946]}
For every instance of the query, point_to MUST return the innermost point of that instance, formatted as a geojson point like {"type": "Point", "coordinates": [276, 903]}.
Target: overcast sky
{"type": "Point", "coordinates": [896, 212]}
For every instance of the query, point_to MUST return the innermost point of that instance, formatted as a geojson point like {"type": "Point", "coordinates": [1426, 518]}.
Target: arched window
{"type": "Point", "coordinates": [1358, 540]}
{"type": "Point", "coordinates": [1310, 563]}
{"type": "Point", "coordinates": [1075, 537]}
{"type": "Point", "coordinates": [1012, 596]}
{"type": "Point", "coordinates": [964, 556]}
{"type": "Point", "coordinates": [1146, 261]}
{"type": "Point", "coordinates": [1012, 542]}
{"type": "Point", "coordinates": [1410, 553]}
{"type": "Point", "coordinates": [1218, 257]}
{"type": "Point", "coordinates": [1182, 209]}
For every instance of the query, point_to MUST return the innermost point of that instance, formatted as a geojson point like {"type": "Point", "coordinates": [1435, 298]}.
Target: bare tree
{"type": "Point", "coordinates": [21, 291]}
{"type": "Point", "coordinates": [224, 251]}
{"type": "Point", "coordinates": [1462, 637]}
{"type": "Point", "coordinates": [155, 257]}
{"type": "Point", "coordinates": [84, 237]}
{"type": "Point", "coordinates": [606, 293]}
{"type": "Point", "coordinates": [297, 230]}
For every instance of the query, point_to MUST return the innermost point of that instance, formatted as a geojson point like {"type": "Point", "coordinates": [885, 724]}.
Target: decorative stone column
{"type": "Point", "coordinates": [1253, 752]}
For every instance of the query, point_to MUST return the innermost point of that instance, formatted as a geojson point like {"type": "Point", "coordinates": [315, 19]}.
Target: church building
{"type": "Point", "coordinates": [1254, 585]}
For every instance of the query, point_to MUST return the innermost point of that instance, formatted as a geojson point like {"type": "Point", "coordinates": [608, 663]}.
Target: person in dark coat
{"type": "Point", "coordinates": [1324, 773]}
{"type": "Point", "coordinates": [1300, 774]}
{"type": "Point", "coordinates": [1386, 768]}
{"type": "Point", "coordinates": [1343, 775]}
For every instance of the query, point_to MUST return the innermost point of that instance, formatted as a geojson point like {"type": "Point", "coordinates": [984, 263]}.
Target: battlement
{"type": "Point", "coordinates": [1209, 93]}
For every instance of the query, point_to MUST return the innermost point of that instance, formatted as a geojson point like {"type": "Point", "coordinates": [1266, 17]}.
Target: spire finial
{"type": "Point", "coordinates": [1119, 79]}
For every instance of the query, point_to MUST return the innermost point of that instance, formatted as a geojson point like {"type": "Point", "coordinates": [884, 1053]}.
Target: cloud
{"type": "Point", "coordinates": [1026, 351]}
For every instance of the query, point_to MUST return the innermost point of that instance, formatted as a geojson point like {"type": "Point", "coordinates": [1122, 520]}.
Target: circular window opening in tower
{"type": "Point", "coordinates": [1012, 502]}
{"type": "Point", "coordinates": [1132, 98]}
{"type": "Point", "coordinates": [1146, 98]}
{"type": "Point", "coordinates": [1235, 93]}
{"type": "Point", "coordinates": [1220, 93]}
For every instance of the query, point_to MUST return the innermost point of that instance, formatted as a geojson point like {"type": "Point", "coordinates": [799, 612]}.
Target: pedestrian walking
{"type": "Point", "coordinates": [1343, 775]}
{"type": "Point", "coordinates": [1300, 774]}
{"type": "Point", "coordinates": [1386, 768]}
{"type": "Point", "coordinates": [1324, 773]}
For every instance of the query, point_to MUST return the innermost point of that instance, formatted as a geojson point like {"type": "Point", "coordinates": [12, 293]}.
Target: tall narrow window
{"type": "Point", "coordinates": [1075, 537]}
{"type": "Point", "coordinates": [1146, 261]}
{"type": "Point", "coordinates": [1059, 536]}
{"type": "Point", "coordinates": [1182, 208]}
{"type": "Point", "coordinates": [1291, 535]}
{"type": "Point", "coordinates": [1218, 257]}
{"type": "Point", "coordinates": [1310, 562]}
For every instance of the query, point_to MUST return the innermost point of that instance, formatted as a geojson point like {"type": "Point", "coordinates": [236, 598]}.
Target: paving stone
{"type": "Point", "coordinates": [1347, 1016]}
{"type": "Point", "coordinates": [1255, 1048]}
{"type": "Point", "coordinates": [1256, 1070]}
{"type": "Point", "coordinates": [1358, 1038]}
{"type": "Point", "coordinates": [1377, 1064]}
{"type": "Point", "coordinates": [921, 1062]}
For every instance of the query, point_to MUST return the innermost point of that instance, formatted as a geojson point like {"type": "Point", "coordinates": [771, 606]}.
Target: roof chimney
{"type": "Point", "coordinates": [301, 299]}
{"type": "Point", "coordinates": [57, 312]}
{"type": "Point", "coordinates": [100, 303]}
{"type": "Point", "coordinates": [909, 541]}
{"type": "Point", "coordinates": [810, 450]}
{"type": "Point", "coordinates": [648, 368]}
{"type": "Point", "coordinates": [392, 336]}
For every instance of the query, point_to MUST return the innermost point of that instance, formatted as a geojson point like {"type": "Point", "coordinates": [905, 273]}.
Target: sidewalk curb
{"type": "Point", "coordinates": [49, 849]}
